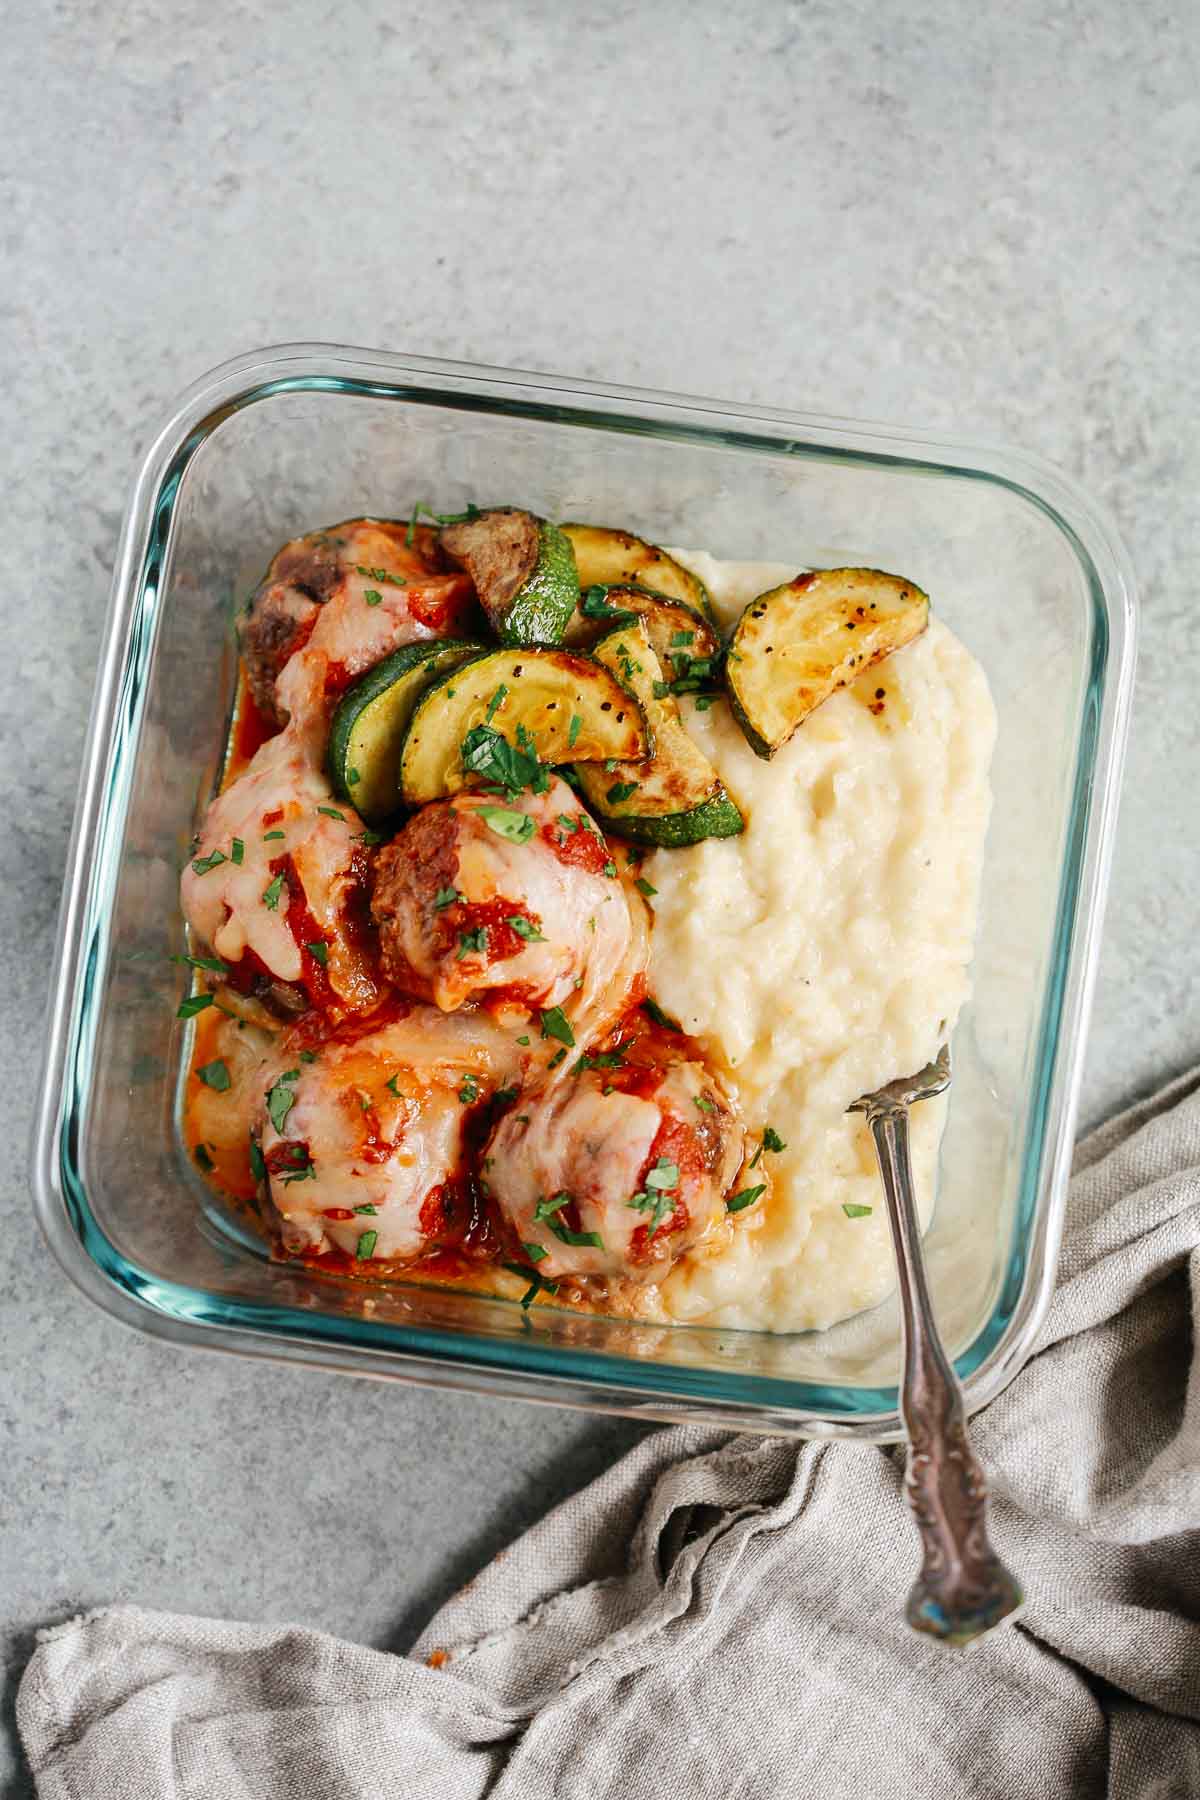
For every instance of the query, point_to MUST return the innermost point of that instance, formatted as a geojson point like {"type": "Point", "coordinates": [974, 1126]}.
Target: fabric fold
{"type": "Point", "coordinates": [723, 1616]}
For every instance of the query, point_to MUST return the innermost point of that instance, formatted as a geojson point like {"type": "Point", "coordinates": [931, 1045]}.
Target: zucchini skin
{"type": "Point", "coordinates": [716, 818]}
{"type": "Point", "coordinates": [434, 654]}
{"type": "Point", "coordinates": [523, 568]}
{"type": "Point", "coordinates": [539, 610]}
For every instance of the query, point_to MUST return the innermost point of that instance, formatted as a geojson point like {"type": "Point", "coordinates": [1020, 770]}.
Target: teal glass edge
{"type": "Point", "coordinates": [57, 1138]}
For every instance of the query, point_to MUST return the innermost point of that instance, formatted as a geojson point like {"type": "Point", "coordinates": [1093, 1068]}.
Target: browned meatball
{"type": "Point", "coordinates": [330, 574]}
{"type": "Point", "coordinates": [465, 913]}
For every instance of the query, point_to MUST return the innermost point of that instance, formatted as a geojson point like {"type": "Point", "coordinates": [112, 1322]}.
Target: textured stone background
{"type": "Point", "coordinates": [979, 219]}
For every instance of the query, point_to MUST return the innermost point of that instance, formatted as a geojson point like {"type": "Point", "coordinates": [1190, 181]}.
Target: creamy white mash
{"type": "Point", "coordinates": [824, 952]}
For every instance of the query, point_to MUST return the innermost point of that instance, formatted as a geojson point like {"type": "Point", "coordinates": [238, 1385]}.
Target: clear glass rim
{"type": "Point", "coordinates": [587, 1378]}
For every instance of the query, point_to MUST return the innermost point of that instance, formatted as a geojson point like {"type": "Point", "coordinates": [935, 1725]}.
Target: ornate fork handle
{"type": "Point", "coordinates": [963, 1588]}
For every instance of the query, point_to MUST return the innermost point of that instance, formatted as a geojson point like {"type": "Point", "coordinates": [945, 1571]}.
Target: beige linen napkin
{"type": "Point", "coordinates": [720, 1618]}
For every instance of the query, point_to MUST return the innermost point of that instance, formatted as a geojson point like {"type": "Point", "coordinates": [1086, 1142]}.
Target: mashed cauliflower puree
{"type": "Point", "coordinates": [824, 952]}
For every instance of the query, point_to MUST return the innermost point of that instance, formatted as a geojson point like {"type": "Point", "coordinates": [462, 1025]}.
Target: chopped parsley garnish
{"type": "Point", "coordinates": [522, 1040]}
{"type": "Point", "coordinates": [237, 851]}
{"type": "Point", "coordinates": [258, 1167]}
{"type": "Point", "coordinates": [771, 1140]}
{"type": "Point", "coordinates": [373, 597]}
{"type": "Point", "coordinates": [682, 637]}
{"type": "Point", "coordinates": [368, 837]}
{"type": "Point", "coordinates": [535, 1252]}
{"type": "Point", "coordinates": [195, 1003]}
{"type": "Point", "coordinates": [517, 827]}
{"type": "Point", "coordinates": [556, 1058]}
{"type": "Point", "coordinates": [472, 943]}
{"type": "Point", "coordinates": [621, 790]}
{"type": "Point", "coordinates": [610, 765]}
{"type": "Point", "coordinates": [268, 835]}
{"type": "Point", "coordinates": [472, 512]}
{"type": "Point", "coordinates": [607, 1059]}
{"type": "Point", "coordinates": [503, 1097]}
{"type": "Point", "coordinates": [664, 1175]}
{"type": "Point", "coordinates": [203, 1159]}
{"type": "Point", "coordinates": [445, 897]}
{"type": "Point", "coordinates": [657, 1203]}
{"type": "Point", "coordinates": [610, 868]}
{"type": "Point", "coordinates": [573, 731]}
{"type": "Point", "coordinates": [555, 1024]}
{"type": "Point", "coordinates": [366, 1245]}
{"type": "Point", "coordinates": [644, 887]}
{"type": "Point", "coordinates": [487, 753]}
{"type": "Point", "coordinates": [352, 776]}
{"type": "Point", "coordinates": [580, 1240]}
{"type": "Point", "coordinates": [308, 1056]}
{"type": "Point", "coordinates": [747, 1197]}
{"type": "Point", "coordinates": [215, 1075]}
{"type": "Point", "coordinates": [203, 864]}
{"type": "Point", "coordinates": [654, 1011]}
{"type": "Point", "coordinates": [496, 701]}
{"type": "Point", "coordinates": [546, 1209]}
{"type": "Point", "coordinates": [469, 1091]}
{"type": "Point", "coordinates": [594, 604]}
{"type": "Point", "coordinates": [300, 1164]}
{"type": "Point", "coordinates": [537, 1283]}
{"type": "Point", "coordinates": [369, 1211]}
{"type": "Point", "coordinates": [391, 1087]}
{"type": "Point", "coordinates": [661, 690]}
{"type": "Point", "coordinates": [379, 575]}
{"type": "Point", "coordinates": [704, 701]}
{"type": "Point", "coordinates": [280, 1101]}
{"type": "Point", "coordinates": [331, 812]}
{"type": "Point", "coordinates": [704, 1103]}
{"type": "Point", "coordinates": [272, 893]}
{"type": "Point", "coordinates": [856, 1212]}
{"type": "Point", "coordinates": [567, 822]}
{"type": "Point", "coordinates": [203, 962]}
{"type": "Point", "coordinates": [319, 952]}
{"type": "Point", "coordinates": [525, 928]}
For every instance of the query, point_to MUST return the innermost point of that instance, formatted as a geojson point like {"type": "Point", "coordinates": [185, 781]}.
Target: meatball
{"type": "Point", "coordinates": [616, 1170]}
{"type": "Point", "coordinates": [277, 882]}
{"type": "Point", "coordinates": [467, 910]}
{"type": "Point", "coordinates": [356, 591]}
{"type": "Point", "coordinates": [363, 1147]}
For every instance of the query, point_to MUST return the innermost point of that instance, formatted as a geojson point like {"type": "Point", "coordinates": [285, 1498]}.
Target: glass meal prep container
{"type": "Point", "coordinates": [1016, 560]}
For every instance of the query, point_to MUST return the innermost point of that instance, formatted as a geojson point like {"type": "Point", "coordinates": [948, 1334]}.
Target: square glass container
{"type": "Point", "coordinates": [1018, 562]}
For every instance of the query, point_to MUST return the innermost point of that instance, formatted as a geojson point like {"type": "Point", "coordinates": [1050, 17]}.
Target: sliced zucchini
{"type": "Point", "coordinates": [684, 642]}
{"type": "Point", "coordinates": [675, 798]}
{"type": "Point", "coordinates": [564, 707]}
{"type": "Point", "coordinates": [368, 727]}
{"type": "Point", "coordinates": [799, 643]}
{"type": "Point", "coordinates": [523, 569]}
{"type": "Point", "coordinates": [607, 557]}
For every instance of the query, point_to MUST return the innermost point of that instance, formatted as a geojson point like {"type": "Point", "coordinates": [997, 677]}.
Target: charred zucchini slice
{"type": "Point", "coordinates": [607, 557]}
{"type": "Point", "coordinates": [687, 647]}
{"type": "Point", "coordinates": [550, 703]}
{"type": "Point", "coordinates": [368, 727]}
{"type": "Point", "coordinates": [523, 569]}
{"type": "Point", "coordinates": [799, 643]}
{"type": "Point", "coordinates": [676, 797]}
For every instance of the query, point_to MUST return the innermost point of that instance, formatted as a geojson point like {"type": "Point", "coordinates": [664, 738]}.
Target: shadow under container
{"type": "Point", "coordinates": [1018, 562]}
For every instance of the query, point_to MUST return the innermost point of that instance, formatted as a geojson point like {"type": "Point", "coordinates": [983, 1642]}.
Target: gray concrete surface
{"type": "Point", "coordinates": [983, 219]}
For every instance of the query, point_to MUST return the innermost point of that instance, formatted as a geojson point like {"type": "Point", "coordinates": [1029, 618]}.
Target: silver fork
{"type": "Point", "coordinates": [963, 1588]}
